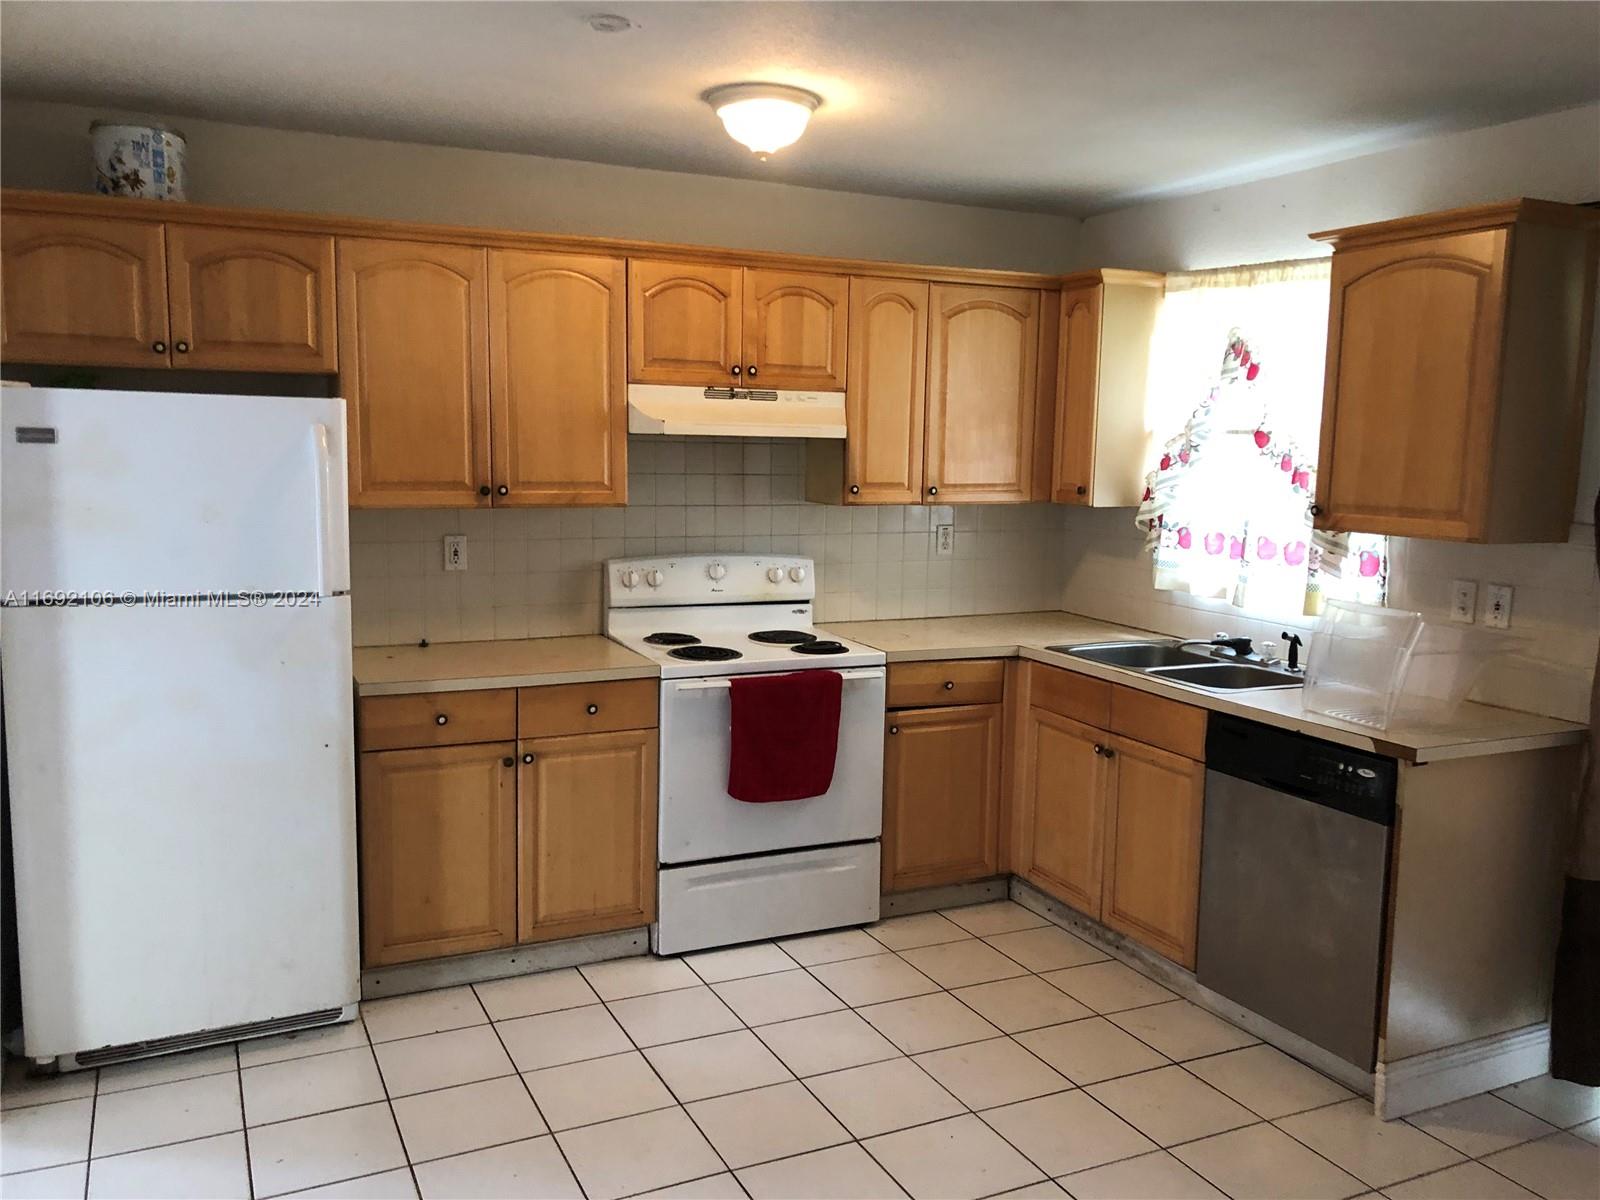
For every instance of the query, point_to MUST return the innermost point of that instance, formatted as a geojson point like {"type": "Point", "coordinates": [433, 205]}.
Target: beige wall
{"type": "Point", "coordinates": [1557, 604]}
{"type": "Point", "coordinates": [46, 146]}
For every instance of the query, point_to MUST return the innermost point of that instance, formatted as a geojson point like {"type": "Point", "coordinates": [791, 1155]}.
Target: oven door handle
{"type": "Point", "coordinates": [706, 685]}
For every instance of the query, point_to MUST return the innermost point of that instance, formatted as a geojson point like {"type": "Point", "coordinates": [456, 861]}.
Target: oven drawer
{"type": "Point", "coordinates": [700, 821]}
{"type": "Point", "coordinates": [956, 681]}
{"type": "Point", "coordinates": [586, 708]}
{"type": "Point", "coordinates": [436, 719]}
{"type": "Point", "coordinates": [743, 900]}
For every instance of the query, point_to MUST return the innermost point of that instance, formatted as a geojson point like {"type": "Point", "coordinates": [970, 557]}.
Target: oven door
{"type": "Point", "coordinates": [700, 821]}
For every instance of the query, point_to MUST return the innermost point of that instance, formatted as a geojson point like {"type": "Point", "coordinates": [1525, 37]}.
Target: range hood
{"type": "Point", "coordinates": [733, 412]}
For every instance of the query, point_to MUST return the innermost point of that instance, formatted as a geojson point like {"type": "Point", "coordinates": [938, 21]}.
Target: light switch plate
{"type": "Point", "coordinates": [455, 552]}
{"type": "Point", "coordinates": [944, 541]}
{"type": "Point", "coordinates": [1497, 612]}
{"type": "Point", "coordinates": [1463, 601]}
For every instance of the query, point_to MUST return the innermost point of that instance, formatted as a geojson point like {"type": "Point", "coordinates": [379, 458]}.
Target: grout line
{"type": "Point", "coordinates": [244, 1123]}
{"type": "Point", "coordinates": [389, 1101]}
{"type": "Point", "coordinates": [94, 1111]}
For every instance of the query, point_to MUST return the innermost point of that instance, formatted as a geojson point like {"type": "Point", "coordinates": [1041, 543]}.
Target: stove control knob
{"type": "Point", "coordinates": [629, 578]}
{"type": "Point", "coordinates": [716, 570]}
{"type": "Point", "coordinates": [798, 574]}
{"type": "Point", "coordinates": [653, 577]}
{"type": "Point", "coordinates": [775, 574]}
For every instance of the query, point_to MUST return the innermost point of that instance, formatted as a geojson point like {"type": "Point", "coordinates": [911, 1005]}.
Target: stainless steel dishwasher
{"type": "Point", "coordinates": [1294, 867]}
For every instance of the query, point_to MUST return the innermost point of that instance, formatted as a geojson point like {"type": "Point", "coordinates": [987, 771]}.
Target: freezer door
{"type": "Point", "coordinates": [152, 492]}
{"type": "Point", "coordinates": [183, 816]}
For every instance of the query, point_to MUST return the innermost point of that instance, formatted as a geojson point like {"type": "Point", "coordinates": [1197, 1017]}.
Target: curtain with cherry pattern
{"type": "Point", "coordinates": [1227, 508]}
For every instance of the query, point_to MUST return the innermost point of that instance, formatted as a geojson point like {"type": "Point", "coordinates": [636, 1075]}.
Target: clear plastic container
{"type": "Point", "coordinates": [1357, 660]}
{"type": "Point", "coordinates": [1446, 661]}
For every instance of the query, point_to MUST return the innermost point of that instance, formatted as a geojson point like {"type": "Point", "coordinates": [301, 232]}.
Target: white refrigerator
{"type": "Point", "coordinates": [175, 660]}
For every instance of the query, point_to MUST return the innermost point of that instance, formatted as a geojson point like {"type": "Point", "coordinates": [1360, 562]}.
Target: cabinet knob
{"type": "Point", "coordinates": [751, 370]}
{"type": "Point", "coordinates": [592, 709]}
{"type": "Point", "coordinates": [949, 685]}
{"type": "Point", "coordinates": [1099, 749]}
{"type": "Point", "coordinates": [181, 347]}
{"type": "Point", "coordinates": [484, 490]}
{"type": "Point", "coordinates": [507, 761]}
{"type": "Point", "coordinates": [502, 490]}
{"type": "Point", "coordinates": [735, 369]}
{"type": "Point", "coordinates": [1316, 510]}
{"type": "Point", "coordinates": [855, 489]}
{"type": "Point", "coordinates": [1110, 753]}
{"type": "Point", "coordinates": [933, 491]}
{"type": "Point", "coordinates": [159, 347]}
{"type": "Point", "coordinates": [894, 729]}
{"type": "Point", "coordinates": [1082, 491]}
{"type": "Point", "coordinates": [441, 719]}
{"type": "Point", "coordinates": [527, 758]}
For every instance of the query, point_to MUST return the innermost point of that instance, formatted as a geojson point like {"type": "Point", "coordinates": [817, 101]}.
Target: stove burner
{"type": "Point", "coordinates": [782, 637]}
{"type": "Point", "coordinates": [671, 639]}
{"type": "Point", "coordinates": [704, 653]}
{"type": "Point", "coordinates": [820, 647]}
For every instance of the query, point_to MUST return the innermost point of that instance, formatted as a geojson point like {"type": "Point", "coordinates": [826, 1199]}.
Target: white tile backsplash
{"type": "Point", "coordinates": [536, 572]}
{"type": "Point", "coordinates": [1556, 608]}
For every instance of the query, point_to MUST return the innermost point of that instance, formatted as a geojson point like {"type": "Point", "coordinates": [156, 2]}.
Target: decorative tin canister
{"type": "Point", "coordinates": [145, 161]}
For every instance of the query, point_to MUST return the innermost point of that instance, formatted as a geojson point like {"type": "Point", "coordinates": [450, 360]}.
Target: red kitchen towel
{"type": "Point", "coordinates": [785, 735]}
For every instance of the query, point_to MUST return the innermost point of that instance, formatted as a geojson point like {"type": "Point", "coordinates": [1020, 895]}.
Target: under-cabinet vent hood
{"type": "Point", "coordinates": [734, 412]}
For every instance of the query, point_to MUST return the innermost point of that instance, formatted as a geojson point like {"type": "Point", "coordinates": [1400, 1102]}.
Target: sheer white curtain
{"type": "Point", "coordinates": [1236, 374]}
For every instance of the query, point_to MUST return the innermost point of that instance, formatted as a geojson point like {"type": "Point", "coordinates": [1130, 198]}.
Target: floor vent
{"type": "Point", "coordinates": [206, 1037]}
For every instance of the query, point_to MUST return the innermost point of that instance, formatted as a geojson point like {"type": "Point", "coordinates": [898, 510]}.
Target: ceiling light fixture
{"type": "Point", "coordinates": [763, 116]}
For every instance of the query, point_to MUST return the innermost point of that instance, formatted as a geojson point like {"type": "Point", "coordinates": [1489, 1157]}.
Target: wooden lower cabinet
{"type": "Point", "coordinates": [941, 795]}
{"type": "Point", "coordinates": [1064, 798]}
{"type": "Point", "coordinates": [438, 851]}
{"type": "Point", "coordinates": [586, 833]}
{"type": "Point", "coordinates": [1152, 848]}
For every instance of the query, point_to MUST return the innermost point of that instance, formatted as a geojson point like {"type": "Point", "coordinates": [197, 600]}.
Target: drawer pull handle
{"type": "Point", "coordinates": [949, 685]}
{"type": "Point", "coordinates": [507, 761]}
{"type": "Point", "coordinates": [441, 719]}
{"type": "Point", "coordinates": [527, 758]}
{"type": "Point", "coordinates": [592, 709]}
{"type": "Point", "coordinates": [159, 347]}
{"type": "Point", "coordinates": [181, 347]}
{"type": "Point", "coordinates": [933, 491]}
{"type": "Point", "coordinates": [855, 489]}
{"type": "Point", "coordinates": [484, 490]}
{"type": "Point", "coordinates": [894, 729]}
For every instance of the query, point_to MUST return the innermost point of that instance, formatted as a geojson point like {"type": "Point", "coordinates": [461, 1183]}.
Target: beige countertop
{"type": "Point", "coordinates": [463, 666]}
{"type": "Point", "coordinates": [1477, 729]}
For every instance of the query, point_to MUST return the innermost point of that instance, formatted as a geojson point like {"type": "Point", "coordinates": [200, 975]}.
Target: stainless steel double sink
{"type": "Point", "coordinates": [1176, 663]}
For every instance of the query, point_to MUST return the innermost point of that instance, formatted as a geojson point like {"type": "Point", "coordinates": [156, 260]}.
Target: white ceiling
{"type": "Point", "coordinates": [1058, 107]}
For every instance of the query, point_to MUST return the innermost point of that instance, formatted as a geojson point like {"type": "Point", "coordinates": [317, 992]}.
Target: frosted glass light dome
{"type": "Point", "coordinates": [766, 117]}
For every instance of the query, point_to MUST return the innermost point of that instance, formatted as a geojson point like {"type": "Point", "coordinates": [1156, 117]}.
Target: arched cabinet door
{"type": "Point", "coordinates": [795, 329]}
{"type": "Point", "coordinates": [1409, 409]}
{"type": "Point", "coordinates": [683, 323]}
{"type": "Point", "coordinates": [83, 290]}
{"type": "Point", "coordinates": [414, 372]}
{"type": "Point", "coordinates": [983, 364]}
{"type": "Point", "coordinates": [1077, 395]}
{"type": "Point", "coordinates": [557, 378]}
{"type": "Point", "coordinates": [886, 393]}
{"type": "Point", "coordinates": [251, 299]}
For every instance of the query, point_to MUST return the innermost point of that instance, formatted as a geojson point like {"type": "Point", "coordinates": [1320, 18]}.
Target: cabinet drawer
{"type": "Point", "coordinates": [1156, 721]}
{"type": "Point", "coordinates": [587, 707]}
{"type": "Point", "coordinates": [437, 719]}
{"type": "Point", "coordinates": [957, 681]}
{"type": "Point", "coordinates": [1068, 694]}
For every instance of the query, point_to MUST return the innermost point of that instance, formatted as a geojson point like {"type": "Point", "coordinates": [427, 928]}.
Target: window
{"type": "Point", "coordinates": [1236, 379]}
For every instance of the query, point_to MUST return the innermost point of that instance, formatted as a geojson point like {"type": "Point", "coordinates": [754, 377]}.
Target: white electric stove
{"type": "Point", "coordinates": [730, 871]}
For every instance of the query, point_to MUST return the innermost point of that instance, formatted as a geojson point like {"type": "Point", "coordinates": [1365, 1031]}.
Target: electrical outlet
{"type": "Point", "coordinates": [455, 552]}
{"type": "Point", "coordinates": [1497, 613]}
{"type": "Point", "coordinates": [1464, 601]}
{"type": "Point", "coordinates": [944, 541]}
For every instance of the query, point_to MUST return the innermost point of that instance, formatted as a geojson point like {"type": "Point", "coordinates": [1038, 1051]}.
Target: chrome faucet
{"type": "Point", "coordinates": [1239, 647]}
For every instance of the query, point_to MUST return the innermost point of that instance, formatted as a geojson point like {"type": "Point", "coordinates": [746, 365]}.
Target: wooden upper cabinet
{"type": "Point", "coordinates": [1458, 351]}
{"type": "Point", "coordinates": [941, 796]}
{"type": "Point", "coordinates": [795, 329]}
{"type": "Point", "coordinates": [684, 322]}
{"type": "Point", "coordinates": [1107, 321]}
{"type": "Point", "coordinates": [1152, 848]}
{"type": "Point", "coordinates": [886, 391]}
{"type": "Point", "coordinates": [587, 831]}
{"type": "Point", "coordinates": [83, 290]}
{"type": "Point", "coordinates": [558, 378]}
{"type": "Point", "coordinates": [982, 372]}
{"type": "Point", "coordinates": [251, 299]}
{"type": "Point", "coordinates": [438, 851]}
{"type": "Point", "coordinates": [414, 372]}
{"type": "Point", "coordinates": [1063, 800]}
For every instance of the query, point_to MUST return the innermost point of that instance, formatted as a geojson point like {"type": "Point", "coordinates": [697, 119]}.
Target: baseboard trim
{"type": "Point", "coordinates": [1423, 1081]}
{"type": "Point", "coordinates": [1176, 979]}
{"type": "Point", "coordinates": [950, 895]}
{"type": "Point", "coordinates": [398, 980]}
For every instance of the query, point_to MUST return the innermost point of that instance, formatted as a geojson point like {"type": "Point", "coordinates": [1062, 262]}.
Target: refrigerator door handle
{"type": "Point", "coordinates": [322, 470]}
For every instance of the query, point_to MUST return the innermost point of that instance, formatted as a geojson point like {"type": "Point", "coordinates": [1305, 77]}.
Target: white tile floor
{"type": "Point", "coordinates": [979, 1052]}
